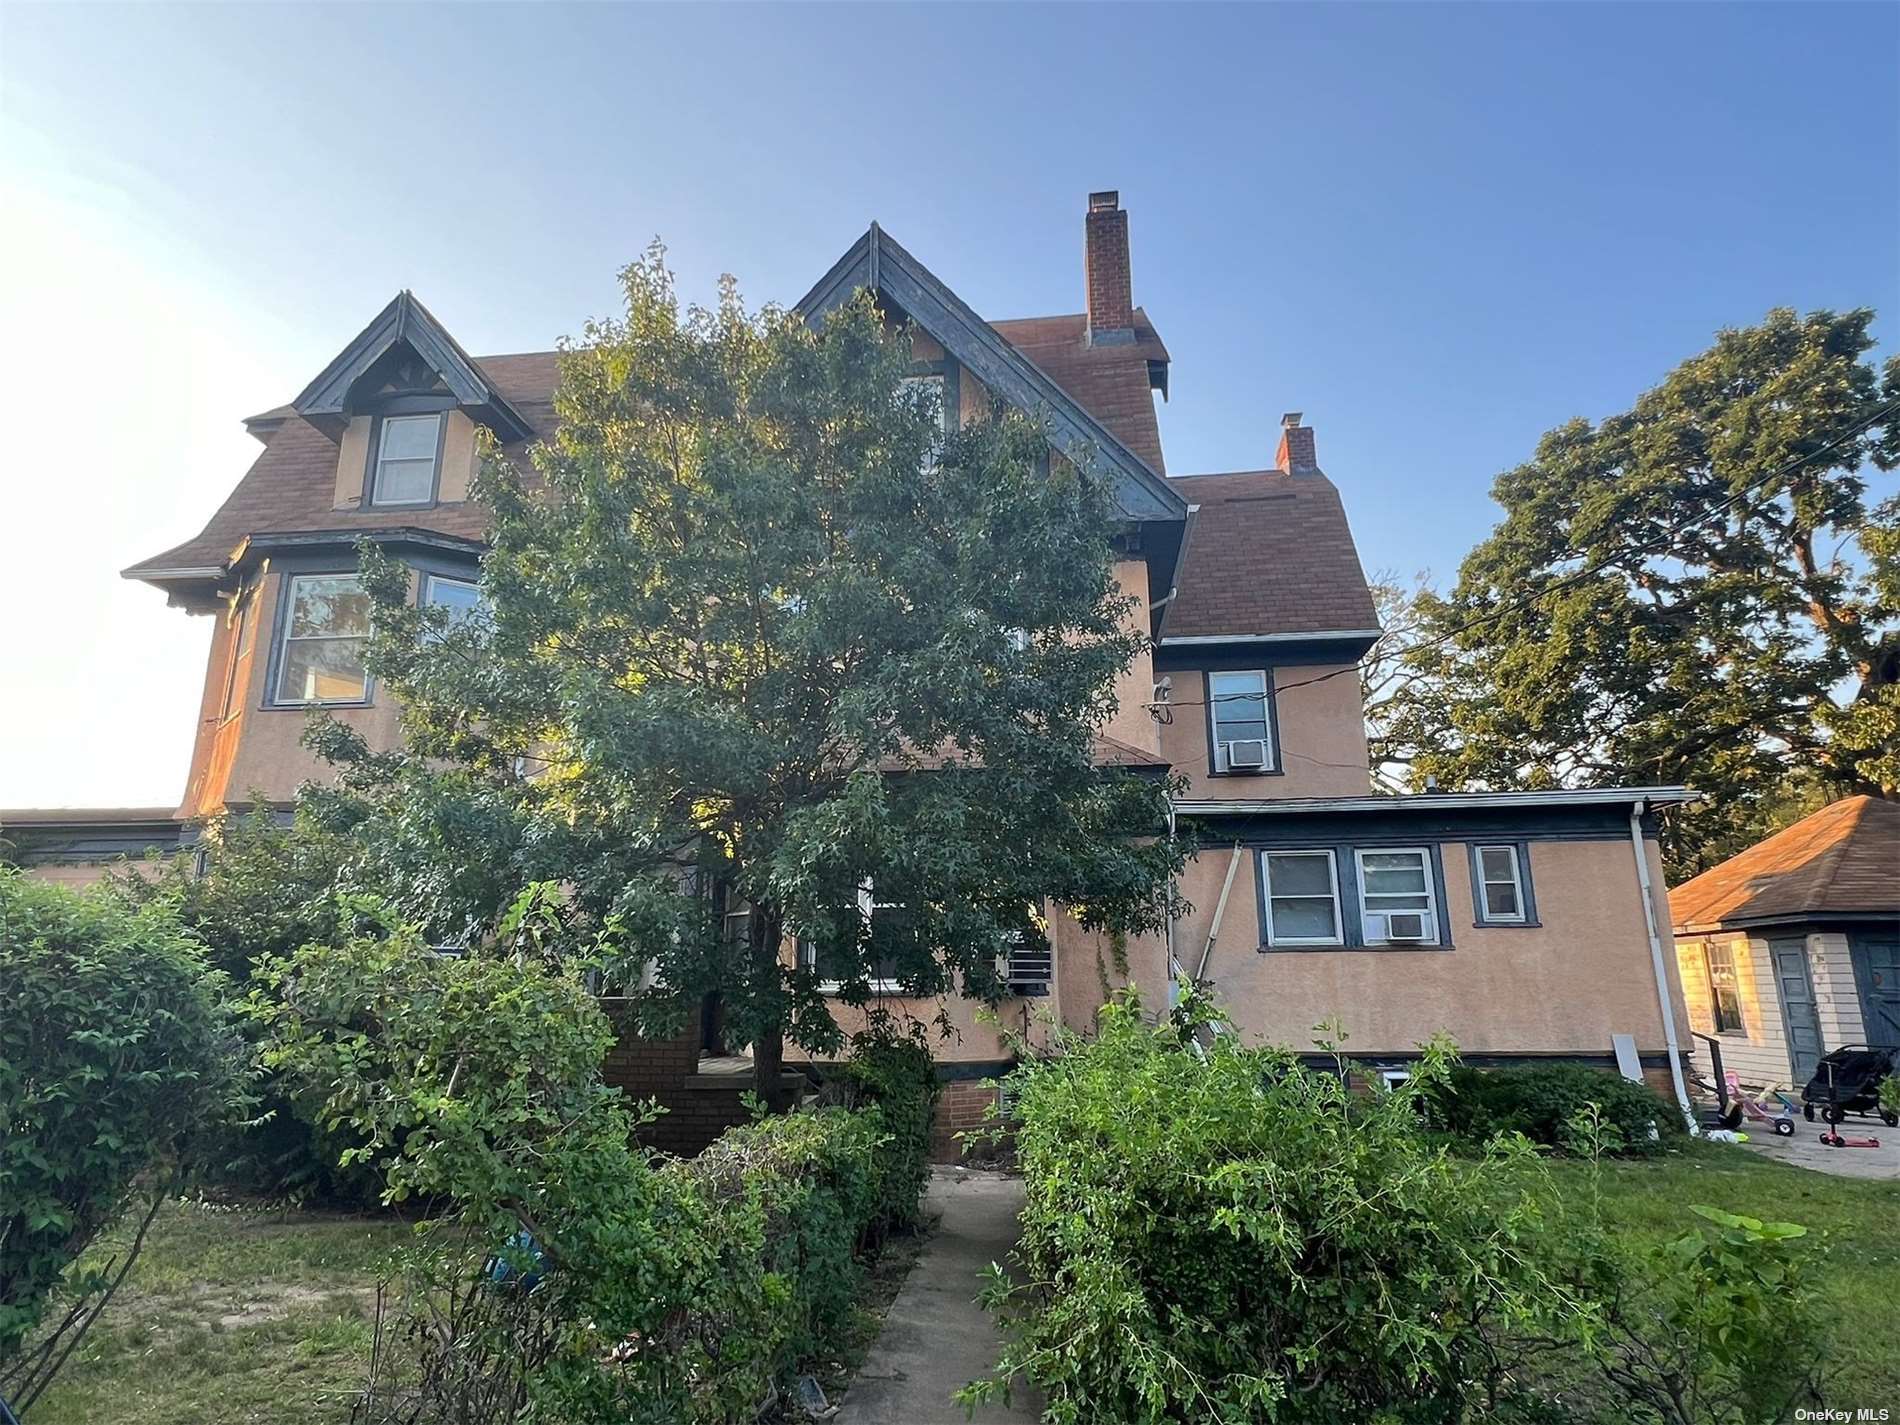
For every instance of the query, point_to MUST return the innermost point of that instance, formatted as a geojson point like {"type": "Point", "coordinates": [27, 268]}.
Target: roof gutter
{"type": "Point", "coordinates": [1317, 635]}
{"type": "Point", "coordinates": [1637, 807]}
{"type": "Point", "coordinates": [1439, 801]}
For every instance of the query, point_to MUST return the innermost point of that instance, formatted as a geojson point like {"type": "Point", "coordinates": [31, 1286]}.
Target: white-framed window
{"type": "Point", "coordinates": [884, 968]}
{"type": "Point", "coordinates": [1240, 721]}
{"type": "Point", "coordinates": [406, 460]}
{"type": "Point", "coordinates": [1396, 901]}
{"type": "Point", "coordinates": [461, 597]}
{"type": "Point", "coordinates": [320, 647]}
{"type": "Point", "coordinates": [1302, 895]}
{"type": "Point", "coordinates": [1501, 899]}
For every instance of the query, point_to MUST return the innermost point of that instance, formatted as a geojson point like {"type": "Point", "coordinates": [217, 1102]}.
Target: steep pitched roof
{"type": "Point", "coordinates": [406, 322]}
{"type": "Point", "coordinates": [877, 261]}
{"type": "Point", "coordinates": [1266, 553]}
{"type": "Point", "coordinates": [291, 486]}
{"type": "Point", "coordinates": [1842, 860]}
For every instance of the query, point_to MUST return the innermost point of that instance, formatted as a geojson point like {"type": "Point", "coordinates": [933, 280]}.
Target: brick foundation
{"type": "Point", "coordinates": [962, 1107]}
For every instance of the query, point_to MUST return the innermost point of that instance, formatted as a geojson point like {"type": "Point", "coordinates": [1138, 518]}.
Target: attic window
{"type": "Point", "coordinates": [408, 454]}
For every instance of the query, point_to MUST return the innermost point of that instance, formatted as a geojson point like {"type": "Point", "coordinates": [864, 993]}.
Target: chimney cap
{"type": "Point", "coordinates": [1291, 420]}
{"type": "Point", "coordinates": [1107, 201]}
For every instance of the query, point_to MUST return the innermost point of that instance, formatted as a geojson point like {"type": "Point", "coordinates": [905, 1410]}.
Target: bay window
{"type": "Point", "coordinates": [323, 634]}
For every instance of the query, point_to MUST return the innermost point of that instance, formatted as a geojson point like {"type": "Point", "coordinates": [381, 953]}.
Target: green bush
{"type": "Point", "coordinates": [899, 1076]}
{"type": "Point", "coordinates": [1217, 1233]}
{"type": "Point", "coordinates": [1543, 1101]}
{"type": "Point", "coordinates": [661, 1291]}
{"type": "Point", "coordinates": [116, 1058]}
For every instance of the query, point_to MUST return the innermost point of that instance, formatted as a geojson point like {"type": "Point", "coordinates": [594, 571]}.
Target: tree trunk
{"type": "Point", "coordinates": [768, 1041]}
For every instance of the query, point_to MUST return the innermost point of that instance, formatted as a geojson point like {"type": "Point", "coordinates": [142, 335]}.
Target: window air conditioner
{"type": "Point", "coordinates": [1405, 925]}
{"type": "Point", "coordinates": [1249, 753]}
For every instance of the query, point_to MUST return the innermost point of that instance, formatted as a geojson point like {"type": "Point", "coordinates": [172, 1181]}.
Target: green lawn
{"type": "Point", "coordinates": [1861, 1218]}
{"type": "Point", "coordinates": [231, 1317]}
{"type": "Point", "coordinates": [263, 1318]}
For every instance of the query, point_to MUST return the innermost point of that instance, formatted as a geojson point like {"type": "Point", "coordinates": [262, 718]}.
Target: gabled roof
{"type": "Point", "coordinates": [1842, 860]}
{"type": "Point", "coordinates": [405, 321]}
{"type": "Point", "coordinates": [878, 262]}
{"type": "Point", "coordinates": [1266, 554]}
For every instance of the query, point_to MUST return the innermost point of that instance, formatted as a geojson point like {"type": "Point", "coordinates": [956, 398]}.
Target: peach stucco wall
{"type": "Point", "coordinates": [1132, 721]}
{"type": "Point", "coordinates": [1564, 986]}
{"type": "Point", "coordinates": [1322, 736]}
{"type": "Point", "coordinates": [259, 749]}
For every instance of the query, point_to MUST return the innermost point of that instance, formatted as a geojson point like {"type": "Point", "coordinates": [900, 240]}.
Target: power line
{"type": "Point", "coordinates": [1570, 580]}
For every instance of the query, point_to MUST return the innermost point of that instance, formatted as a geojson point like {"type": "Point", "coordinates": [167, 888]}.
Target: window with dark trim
{"type": "Point", "coordinates": [462, 598]}
{"type": "Point", "coordinates": [320, 645]}
{"type": "Point", "coordinates": [1500, 888]}
{"type": "Point", "coordinates": [408, 460]}
{"type": "Point", "coordinates": [1724, 994]}
{"type": "Point", "coordinates": [1240, 721]}
{"type": "Point", "coordinates": [1302, 898]}
{"type": "Point", "coordinates": [1397, 899]}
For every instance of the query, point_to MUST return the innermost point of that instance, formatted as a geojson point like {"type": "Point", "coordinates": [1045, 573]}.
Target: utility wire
{"type": "Point", "coordinates": [1570, 580]}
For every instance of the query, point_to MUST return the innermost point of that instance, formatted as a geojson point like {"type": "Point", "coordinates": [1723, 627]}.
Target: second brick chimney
{"type": "Point", "coordinates": [1296, 455]}
{"type": "Point", "coordinates": [1105, 264]}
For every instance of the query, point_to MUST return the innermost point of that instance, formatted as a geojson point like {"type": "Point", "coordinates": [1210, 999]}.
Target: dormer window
{"type": "Point", "coordinates": [408, 459]}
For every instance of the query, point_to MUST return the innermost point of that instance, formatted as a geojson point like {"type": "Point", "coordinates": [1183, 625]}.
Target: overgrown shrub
{"type": "Point", "coordinates": [898, 1075]}
{"type": "Point", "coordinates": [116, 1057]}
{"type": "Point", "coordinates": [571, 1275]}
{"type": "Point", "coordinates": [1543, 1100]}
{"type": "Point", "coordinates": [1220, 1234]}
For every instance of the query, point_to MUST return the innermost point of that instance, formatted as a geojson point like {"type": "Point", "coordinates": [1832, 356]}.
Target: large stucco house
{"type": "Point", "coordinates": [1525, 925]}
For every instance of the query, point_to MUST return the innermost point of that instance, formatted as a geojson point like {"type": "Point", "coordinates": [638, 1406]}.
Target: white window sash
{"type": "Point", "coordinates": [1429, 910]}
{"type": "Point", "coordinates": [285, 639]}
{"type": "Point", "coordinates": [868, 906]}
{"type": "Point", "coordinates": [1515, 881]}
{"type": "Point", "coordinates": [384, 459]}
{"type": "Point", "coordinates": [1332, 873]}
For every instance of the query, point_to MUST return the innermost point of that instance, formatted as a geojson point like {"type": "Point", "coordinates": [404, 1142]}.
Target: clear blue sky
{"type": "Point", "coordinates": [1438, 230]}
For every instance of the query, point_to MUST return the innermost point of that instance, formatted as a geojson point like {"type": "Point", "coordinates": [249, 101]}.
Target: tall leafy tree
{"type": "Point", "coordinates": [1705, 589]}
{"type": "Point", "coordinates": [766, 656]}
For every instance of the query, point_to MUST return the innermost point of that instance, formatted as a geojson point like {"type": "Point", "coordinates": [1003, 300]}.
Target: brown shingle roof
{"type": "Point", "coordinates": [1844, 859]}
{"type": "Point", "coordinates": [292, 484]}
{"type": "Point", "coordinates": [1266, 552]}
{"type": "Point", "coordinates": [1109, 382]}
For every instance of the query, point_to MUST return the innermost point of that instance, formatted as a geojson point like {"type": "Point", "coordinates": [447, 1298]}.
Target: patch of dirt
{"type": "Point", "coordinates": [254, 1306]}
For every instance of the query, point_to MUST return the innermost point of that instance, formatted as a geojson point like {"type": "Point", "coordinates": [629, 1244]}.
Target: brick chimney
{"type": "Point", "coordinates": [1296, 454]}
{"type": "Point", "coordinates": [1105, 263]}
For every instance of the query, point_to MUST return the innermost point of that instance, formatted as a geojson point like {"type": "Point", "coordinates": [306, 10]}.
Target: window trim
{"type": "Point", "coordinates": [243, 641]}
{"type": "Point", "coordinates": [1270, 706]}
{"type": "Point", "coordinates": [1338, 939]}
{"type": "Point", "coordinates": [1526, 894]}
{"type": "Point", "coordinates": [1433, 908]}
{"type": "Point", "coordinates": [868, 906]}
{"type": "Point", "coordinates": [280, 639]}
{"type": "Point", "coordinates": [372, 478]}
{"type": "Point", "coordinates": [1717, 1020]}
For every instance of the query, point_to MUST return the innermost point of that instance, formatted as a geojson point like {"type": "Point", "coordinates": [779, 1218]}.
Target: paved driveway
{"type": "Point", "coordinates": [1805, 1149]}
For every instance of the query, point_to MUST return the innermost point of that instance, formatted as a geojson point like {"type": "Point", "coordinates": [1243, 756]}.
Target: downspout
{"type": "Point", "coordinates": [1656, 963]}
{"type": "Point", "coordinates": [1174, 964]}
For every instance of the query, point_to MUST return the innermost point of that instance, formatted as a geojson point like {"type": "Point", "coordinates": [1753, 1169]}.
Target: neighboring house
{"type": "Point", "coordinates": [1525, 926]}
{"type": "Point", "coordinates": [1792, 948]}
{"type": "Point", "coordinates": [75, 847]}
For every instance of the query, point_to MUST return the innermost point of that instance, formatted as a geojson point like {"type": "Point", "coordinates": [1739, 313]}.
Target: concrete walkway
{"type": "Point", "coordinates": [1806, 1150]}
{"type": "Point", "coordinates": [936, 1338]}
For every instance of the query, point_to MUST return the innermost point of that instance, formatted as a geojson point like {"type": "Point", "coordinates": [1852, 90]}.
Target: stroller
{"type": "Point", "coordinates": [1848, 1081]}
